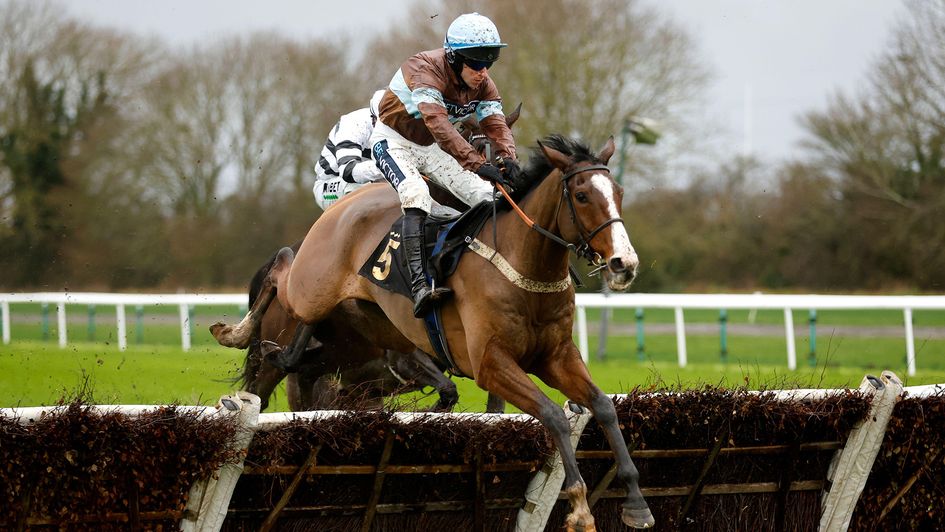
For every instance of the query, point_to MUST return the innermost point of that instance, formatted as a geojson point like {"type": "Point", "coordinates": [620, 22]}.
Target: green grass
{"type": "Point", "coordinates": [38, 373]}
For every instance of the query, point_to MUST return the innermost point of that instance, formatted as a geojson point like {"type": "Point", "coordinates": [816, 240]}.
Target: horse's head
{"type": "Point", "coordinates": [470, 130]}
{"type": "Point", "coordinates": [594, 202]}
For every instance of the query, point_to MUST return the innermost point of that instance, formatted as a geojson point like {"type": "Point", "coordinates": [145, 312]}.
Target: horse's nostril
{"type": "Point", "coordinates": [616, 265]}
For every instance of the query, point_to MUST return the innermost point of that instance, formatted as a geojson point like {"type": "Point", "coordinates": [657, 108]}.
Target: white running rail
{"type": "Point", "coordinates": [677, 302]}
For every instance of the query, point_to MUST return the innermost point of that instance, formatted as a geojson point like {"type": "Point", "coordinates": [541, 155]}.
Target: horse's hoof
{"type": "Point", "coordinates": [588, 527]}
{"type": "Point", "coordinates": [223, 333]}
{"type": "Point", "coordinates": [641, 518]}
{"type": "Point", "coordinates": [217, 329]}
{"type": "Point", "coordinates": [272, 354]}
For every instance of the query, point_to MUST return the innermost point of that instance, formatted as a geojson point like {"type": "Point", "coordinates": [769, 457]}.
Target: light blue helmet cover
{"type": "Point", "coordinates": [472, 30]}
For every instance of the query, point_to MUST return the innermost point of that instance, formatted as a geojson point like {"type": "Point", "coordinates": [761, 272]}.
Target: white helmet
{"type": "Point", "coordinates": [474, 37]}
{"type": "Point", "coordinates": [376, 102]}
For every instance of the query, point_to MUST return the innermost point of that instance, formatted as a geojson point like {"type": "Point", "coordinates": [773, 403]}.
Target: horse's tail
{"type": "Point", "coordinates": [254, 357]}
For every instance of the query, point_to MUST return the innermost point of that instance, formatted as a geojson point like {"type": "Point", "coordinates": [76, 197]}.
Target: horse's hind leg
{"type": "Point", "coordinates": [288, 359]}
{"type": "Point", "coordinates": [417, 366]}
{"type": "Point", "coordinates": [495, 404]}
{"type": "Point", "coordinates": [568, 374]}
{"type": "Point", "coordinates": [239, 335]}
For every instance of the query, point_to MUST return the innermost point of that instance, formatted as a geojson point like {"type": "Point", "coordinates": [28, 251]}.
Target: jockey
{"type": "Point", "coordinates": [414, 134]}
{"type": "Point", "coordinates": [345, 163]}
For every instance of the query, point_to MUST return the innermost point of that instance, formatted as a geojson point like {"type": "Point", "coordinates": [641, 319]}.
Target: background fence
{"type": "Point", "coordinates": [677, 302]}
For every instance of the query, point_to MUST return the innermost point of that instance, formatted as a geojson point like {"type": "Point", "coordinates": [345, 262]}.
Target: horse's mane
{"type": "Point", "coordinates": [539, 167]}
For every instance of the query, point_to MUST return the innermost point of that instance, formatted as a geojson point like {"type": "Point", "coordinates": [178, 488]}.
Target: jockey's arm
{"type": "Point", "coordinates": [494, 127]}
{"type": "Point", "coordinates": [361, 171]}
{"type": "Point", "coordinates": [433, 110]}
{"type": "Point", "coordinates": [351, 136]}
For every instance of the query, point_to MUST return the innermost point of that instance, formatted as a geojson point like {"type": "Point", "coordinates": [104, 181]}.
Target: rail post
{"type": "Point", "coordinates": [44, 312]}
{"type": "Point", "coordinates": [139, 324]}
{"type": "Point", "coordinates": [812, 355]}
{"type": "Point", "coordinates": [723, 341]}
{"type": "Point", "coordinates": [582, 333]}
{"type": "Point", "coordinates": [184, 326]}
{"type": "Point", "coordinates": [61, 324]}
{"type": "Point", "coordinates": [91, 326]}
{"type": "Point", "coordinates": [122, 326]}
{"type": "Point", "coordinates": [789, 336]}
{"type": "Point", "coordinates": [5, 310]}
{"type": "Point", "coordinates": [910, 341]}
{"type": "Point", "coordinates": [641, 343]}
{"type": "Point", "coordinates": [681, 338]}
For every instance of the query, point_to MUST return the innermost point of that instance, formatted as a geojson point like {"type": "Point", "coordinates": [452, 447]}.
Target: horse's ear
{"type": "Point", "coordinates": [555, 157]}
{"type": "Point", "coordinates": [513, 116]}
{"type": "Point", "coordinates": [608, 150]}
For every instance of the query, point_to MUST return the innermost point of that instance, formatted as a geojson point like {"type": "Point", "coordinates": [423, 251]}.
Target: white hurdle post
{"type": "Point", "coordinates": [851, 465]}
{"type": "Point", "coordinates": [210, 497]}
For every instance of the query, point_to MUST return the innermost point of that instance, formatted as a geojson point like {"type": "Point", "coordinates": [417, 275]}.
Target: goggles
{"type": "Point", "coordinates": [477, 65]}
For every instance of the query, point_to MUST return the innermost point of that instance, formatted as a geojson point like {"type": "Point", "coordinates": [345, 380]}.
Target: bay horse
{"type": "Point", "coordinates": [359, 363]}
{"type": "Point", "coordinates": [498, 330]}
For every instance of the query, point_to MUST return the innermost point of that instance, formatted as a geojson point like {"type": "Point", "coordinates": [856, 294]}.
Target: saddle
{"type": "Point", "coordinates": [445, 235]}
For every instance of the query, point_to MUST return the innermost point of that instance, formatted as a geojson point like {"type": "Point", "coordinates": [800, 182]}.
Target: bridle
{"type": "Point", "coordinates": [583, 247]}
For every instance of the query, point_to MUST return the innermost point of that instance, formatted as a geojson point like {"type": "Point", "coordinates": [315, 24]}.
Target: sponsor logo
{"type": "Point", "coordinates": [386, 164]}
{"type": "Point", "coordinates": [458, 112]}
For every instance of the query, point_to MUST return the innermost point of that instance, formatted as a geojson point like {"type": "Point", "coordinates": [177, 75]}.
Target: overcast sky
{"type": "Point", "coordinates": [776, 58]}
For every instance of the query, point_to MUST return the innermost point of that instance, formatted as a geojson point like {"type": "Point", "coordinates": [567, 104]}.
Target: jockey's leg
{"type": "Point", "coordinates": [399, 159]}
{"type": "Point", "coordinates": [423, 294]}
{"type": "Point", "coordinates": [445, 171]}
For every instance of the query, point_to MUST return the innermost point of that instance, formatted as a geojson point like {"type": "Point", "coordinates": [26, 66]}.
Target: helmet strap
{"type": "Point", "coordinates": [456, 64]}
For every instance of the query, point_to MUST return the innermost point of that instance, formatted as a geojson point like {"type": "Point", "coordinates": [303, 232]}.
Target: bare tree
{"type": "Point", "coordinates": [885, 149]}
{"type": "Point", "coordinates": [67, 83]}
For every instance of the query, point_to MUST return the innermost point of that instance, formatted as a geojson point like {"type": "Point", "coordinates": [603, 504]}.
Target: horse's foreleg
{"type": "Point", "coordinates": [501, 375]}
{"type": "Point", "coordinates": [568, 374]}
{"type": "Point", "coordinates": [264, 382]}
{"type": "Point", "coordinates": [240, 334]}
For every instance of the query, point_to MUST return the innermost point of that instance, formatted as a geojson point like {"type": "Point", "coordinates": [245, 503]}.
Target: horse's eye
{"type": "Point", "coordinates": [581, 197]}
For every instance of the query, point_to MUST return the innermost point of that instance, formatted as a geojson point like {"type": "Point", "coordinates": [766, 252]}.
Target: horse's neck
{"type": "Point", "coordinates": [531, 253]}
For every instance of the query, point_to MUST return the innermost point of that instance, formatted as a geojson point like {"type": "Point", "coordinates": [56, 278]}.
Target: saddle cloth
{"type": "Point", "coordinates": [444, 242]}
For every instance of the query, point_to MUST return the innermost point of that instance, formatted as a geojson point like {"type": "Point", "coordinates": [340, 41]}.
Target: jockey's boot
{"type": "Point", "coordinates": [423, 295]}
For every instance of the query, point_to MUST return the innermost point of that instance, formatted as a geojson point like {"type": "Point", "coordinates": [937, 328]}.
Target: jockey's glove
{"type": "Point", "coordinates": [513, 173]}
{"type": "Point", "coordinates": [492, 174]}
